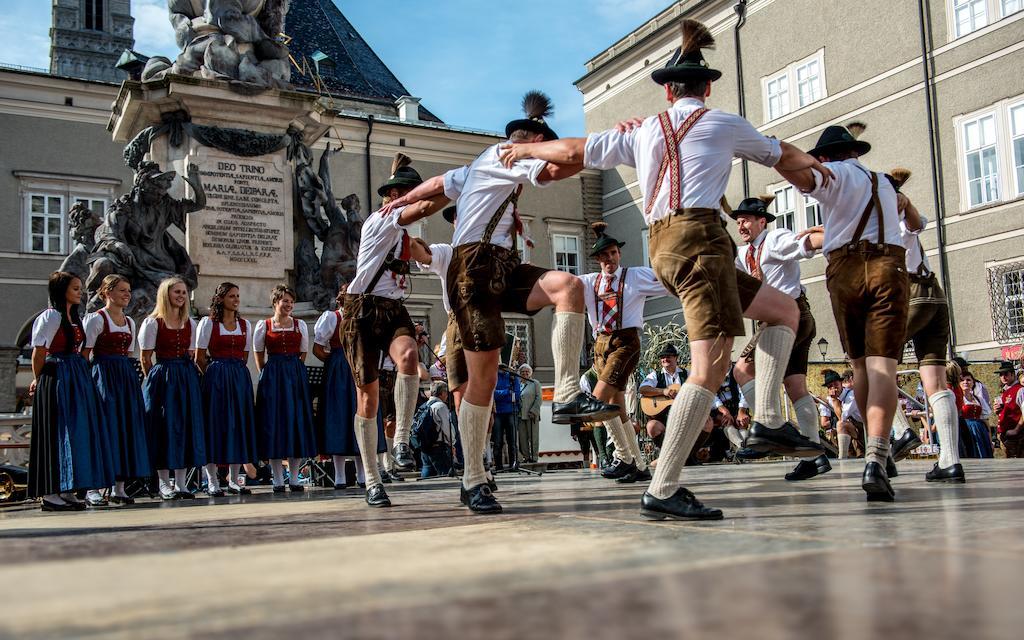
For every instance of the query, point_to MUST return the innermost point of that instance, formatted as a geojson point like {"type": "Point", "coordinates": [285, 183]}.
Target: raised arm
{"type": "Point", "coordinates": [567, 151]}
{"type": "Point", "coordinates": [911, 215]}
{"type": "Point", "coordinates": [426, 190]}
{"type": "Point", "coordinates": [798, 168]}
{"type": "Point", "coordinates": [421, 209]}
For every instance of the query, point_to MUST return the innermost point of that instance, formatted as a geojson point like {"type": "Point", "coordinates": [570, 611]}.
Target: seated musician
{"type": "Point", "coordinates": [663, 382]}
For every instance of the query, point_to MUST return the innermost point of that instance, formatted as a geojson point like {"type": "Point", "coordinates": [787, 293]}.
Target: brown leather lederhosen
{"type": "Point", "coordinates": [616, 351]}
{"type": "Point", "coordinates": [927, 316]}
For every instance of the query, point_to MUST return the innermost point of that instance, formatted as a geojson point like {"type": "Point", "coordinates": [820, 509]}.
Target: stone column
{"type": "Point", "coordinates": [8, 377]}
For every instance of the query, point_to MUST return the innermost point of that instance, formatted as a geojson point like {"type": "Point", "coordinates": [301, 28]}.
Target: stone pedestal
{"type": "Point", "coordinates": [246, 233]}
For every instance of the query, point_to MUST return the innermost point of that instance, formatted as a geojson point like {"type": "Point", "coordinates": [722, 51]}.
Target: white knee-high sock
{"type": "Point", "coordinates": [212, 481]}
{"type": "Point", "coordinates": [770, 360]}
{"type": "Point", "coordinates": [360, 471]}
{"type": "Point", "coordinates": [617, 431]}
{"type": "Point", "coordinates": [165, 477]}
{"type": "Point", "coordinates": [946, 423]}
{"type": "Point", "coordinates": [386, 458]}
{"type": "Point", "coordinates": [294, 465]}
{"type": "Point", "coordinates": [234, 470]}
{"type": "Point", "coordinates": [749, 391]}
{"type": "Point", "coordinates": [118, 489]}
{"type": "Point", "coordinates": [566, 345]}
{"type": "Point", "coordinates": [366, 438]}
{"type": "Point", "coordinates": [900, 423]}
{"type": "Point", "coordinates": [807, 417]}
{"type": "Point", "coordinates": [181, 479]}
{"type": "Point", "coordinates": [877, 450]}
{"type": "Point", "coordinates": [844, 445]}
{"type": "Point", "coordinates": [473, 429]}
{"type": "Point", "coordinates": [277, 467]}
{"type": "Point", "coordinates": [685, 421]}
{"type": "Point", "coordinates": [339, 469]}
{"type": "Point", "coordinates": [634, 447]}
{"type": "Point", "coordinates": [406, 388]}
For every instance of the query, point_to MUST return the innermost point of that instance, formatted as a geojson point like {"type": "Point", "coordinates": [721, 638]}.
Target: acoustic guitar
{"type": "Point", "coordinates": [653, 405]}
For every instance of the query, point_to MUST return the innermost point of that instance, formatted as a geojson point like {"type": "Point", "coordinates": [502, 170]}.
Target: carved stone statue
{"type": "Point", "coordinates": [227, 40]}
{"type": "Point", "coordinates": [83, 222]}
{"type": "Point", "coordinates": [134, 239]}
{"type": "Point", "coordinates": [341, 242]}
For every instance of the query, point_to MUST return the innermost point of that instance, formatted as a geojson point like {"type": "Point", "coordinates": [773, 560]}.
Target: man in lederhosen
{"type": "Point", "coordinates": [773, 257]}
{"type": "Point", "coordinates": [376, 322]}
{"type": "Point", "coordinates": [928, 328]}
{"type": "Point", "coordinates": [867, 282]}
{"type": "Point", "coordinates": [683, 159]}
{"type": "Point", "coordinates": [486, 278]}
{"type": "Point", "coordinates": [614, 299]}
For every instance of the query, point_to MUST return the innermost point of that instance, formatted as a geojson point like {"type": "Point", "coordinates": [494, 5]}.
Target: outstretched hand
{"type": "Point", "coordinates": [510, 153]}
{"type": "Point", "coordinates": [391, 206]}
{"type": "Point", "coordinates": [809, 231]}
{"type": "Point", "coordinates": [628, 125]}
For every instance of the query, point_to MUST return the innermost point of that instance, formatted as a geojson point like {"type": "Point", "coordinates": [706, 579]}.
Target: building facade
{"type": "Point", "coordinates": [936, 81]}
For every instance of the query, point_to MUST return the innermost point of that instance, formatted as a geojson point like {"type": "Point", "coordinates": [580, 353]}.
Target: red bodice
{"type": "Point", "coordinates": [113, 343]}
{"type": "Point", "coordinates": [970, 411]}
{"type": "Point", "coordinates": [172, 344]}
{"type": "Point", "coordinates": [336, 336]}
{"type": "Point", "coordinates": [59, 344]}
{"type": "Point", "coordinates": [283, 342]}
{"type": "Point", "coordinates": [228, 346]}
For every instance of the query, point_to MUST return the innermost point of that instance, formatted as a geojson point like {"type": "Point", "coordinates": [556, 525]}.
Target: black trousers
{"type": "Point", "coordinates": [506, 426]}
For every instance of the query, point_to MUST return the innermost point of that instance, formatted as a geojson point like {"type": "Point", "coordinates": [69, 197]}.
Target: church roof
{"type": "Point", "coordinates": [358, 73]}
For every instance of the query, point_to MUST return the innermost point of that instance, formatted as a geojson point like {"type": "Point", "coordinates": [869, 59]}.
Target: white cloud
{"type": "Point", "coordinates": [154, 34]}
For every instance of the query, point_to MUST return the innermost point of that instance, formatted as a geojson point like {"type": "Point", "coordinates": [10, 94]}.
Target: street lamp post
{"type": "Point", "coordinates": [823, 347]}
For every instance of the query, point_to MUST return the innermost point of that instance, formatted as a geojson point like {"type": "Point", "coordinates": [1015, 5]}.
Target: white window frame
{"type": "Point", "coordinates": [785, 193]}
{"type": "Point", "coordinates": [782, 82]}
{"type": "Point", "coordinates": [995, 10]}
{"type": "Point", "coordinates": [69, 189]}
{"type": "Point", "coordinates": [555, 237]}
{"type": "Point", "coordinates": [1008, 186]}
{"type": "Point", "coordinates": [1018, 176]}
{"type": "Point", "coordinates": [526, 336]}
{"type": "Point", "coordinates": [789, 74]}
{"type": "Point", "coordinates": [60, 215]}
{"type": "Point", "coordinates": [645, 243]}
{"type": "Point", "coordinates": [801, 204]}
{"type": "Point", "coordinates": [525, 252]}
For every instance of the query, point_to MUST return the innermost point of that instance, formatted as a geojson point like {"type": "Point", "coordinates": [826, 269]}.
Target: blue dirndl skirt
{"type": "Point", "coordinates": [118, 385]}
{"type": "Point", "coordinates": [981, 440]}
{"type": "Point", "coordinates": [174, 409]}
{"type": "Point", "coordinates": [336, 410]}
{"type": "Point", "coordinates": [284, 410]}
{"type": "Point", "coordinates": [70, 436]}
{"type": "Point", "coordinates": [228, 409]}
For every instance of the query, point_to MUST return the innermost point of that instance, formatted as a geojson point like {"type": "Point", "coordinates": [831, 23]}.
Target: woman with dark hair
{"type": "Point", "coordinates": [174, 400]}
{"type": "Point", "coordinates": [974, 410]}
{"type": "Point", "coordinates": [223, 343]}
{"type": "Point", "coordinates": [284, 410]}
{"type": "Point", "coordinates": [110, 340]}
{"type": "Point", "coordinates": [336, 407]}
{"type": "Point", "coordinates": [70, 445]}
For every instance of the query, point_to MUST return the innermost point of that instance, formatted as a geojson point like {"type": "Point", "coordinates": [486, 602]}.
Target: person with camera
{"type": "Point", "coordinates": [432, 433]}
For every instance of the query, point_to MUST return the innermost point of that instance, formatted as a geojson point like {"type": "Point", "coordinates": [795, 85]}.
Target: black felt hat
{"type": "Point", "coordinates": [668, 350]}
{"type": "Point", "coordinates": [449, 214]}
{"type": "Point", "coordinates": [836, 138]}
{"type": "Point", "coordinates": [402, 175]}
{"type": "Point", "coordinates": [755, 207]}
{"type": "Point", "coordinates": [1005, 367]}
{"type": "Point", "coordinates": [687, 63]}
{"type": "Point", "coordinates": [603, 239]}
{"type": "Point", "coordinates": [536, 106]}
{"type": "Point", "coordinates": [831, 377]}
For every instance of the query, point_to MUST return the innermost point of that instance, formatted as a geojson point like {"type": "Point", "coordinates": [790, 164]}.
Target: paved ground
{"type": "Point", "coordinates": [570, 558]}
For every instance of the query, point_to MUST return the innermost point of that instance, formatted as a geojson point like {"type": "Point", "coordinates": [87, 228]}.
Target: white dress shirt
{"type": "Point", "coordinates": [259, 335]}
{"type": "Point", "coordinates": [779, 252]}
{"type": "Point", "coordinates": [440, 258]}
{"type": "Point", "coordinates": [843, 202]}
{"type": "Point", "coordinates": [915, 252]}
{"type": "Point", "coordinates": [670, 379]}
{"type": "Point", "coordinates": [479, 190]}
{"type": "Point", "coordinates": [93, 326]}
{"type": "Point", "coordinates": [706, 155]}
{"type": "Point", "coordinates": [641, 284]}
{"type": "Point", "coordinates": [45, 328]}
{"type": "Point", "coordinates": [849, 404]}
{"type": "Point", "coordinates": [324, 328]}
{"type": "Point", "coordinates": [380, 235]}
{"type": "Point", "coordinates": [204, 332]}
{"type": "Point", "coordinates": [148, 333]}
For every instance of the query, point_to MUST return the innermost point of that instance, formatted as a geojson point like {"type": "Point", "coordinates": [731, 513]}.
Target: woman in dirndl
{"type": "Point", "coordinates": [284, 409]}
{"type": "Point", "coordinates": [223, 343]}
{"type": "Point", "coordinates": [110, 340]}
{"type": "Point", "coordinates": [974, 410]}
{"type": "Point", "coordinates": [70, 448]}
{"type": "Point", "coordinates": [336, 406]}
{"type": "Point", "coordinates": [171, 391]}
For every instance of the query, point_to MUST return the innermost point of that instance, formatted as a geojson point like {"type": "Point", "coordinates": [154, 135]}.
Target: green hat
{"type": "Point", "coordinates": [836, 138]}
{"type": "Point", "coordinates": [603, 239]}
{"type": "Point", "coordinates": [687, 63]}
{"type": "Point", "coordinates": [536, 106]}
{"type": "Point", "coordinates": [402, 175]}
{"type": "Point", "coordinates": [755, 207]}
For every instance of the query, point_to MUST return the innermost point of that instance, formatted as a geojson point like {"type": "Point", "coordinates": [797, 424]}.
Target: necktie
{"type": "Point", "coordinates": [609, 305]}
{"type": "Point", "coordinates": [752, 265]}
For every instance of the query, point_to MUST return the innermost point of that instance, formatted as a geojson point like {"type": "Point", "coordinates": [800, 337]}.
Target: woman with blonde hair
{"type": "Point", "coordinates": [173, 400]}
{"type": "Point", "coordinates": [110, 340]}
{"type": "Point", "coordinates": [284, 409]}
{"type": "Point", "coordinates": [70, 446]}
{"type": "Point", "coordinates": [223, 343]}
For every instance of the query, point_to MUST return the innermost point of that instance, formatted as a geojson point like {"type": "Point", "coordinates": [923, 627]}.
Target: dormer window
{"type": "Point", "coordinates": [325, 67]}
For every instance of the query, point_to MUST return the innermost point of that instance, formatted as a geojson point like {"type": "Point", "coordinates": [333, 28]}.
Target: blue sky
{"type": "Point", "coordinates": [470, 60]}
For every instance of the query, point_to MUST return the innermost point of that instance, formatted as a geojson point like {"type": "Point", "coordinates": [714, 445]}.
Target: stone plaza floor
{"type": "Point", "coordinates": [569, 558]}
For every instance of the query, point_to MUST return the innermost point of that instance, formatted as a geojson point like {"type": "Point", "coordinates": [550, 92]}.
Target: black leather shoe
{"type": "Point", "coordinates": [954, 474]}
{"type": "Point", "coordinates": [377, 497]}
{"type": "Point", "coordinates": [807, 469]}
{"type": "Point", "coordinates": [617, 469]}
{"type": "Point", "coordinates": [890, 467]}
{"type": "Point", "coordinates": [479, 499]}
{"type": "Point", "coordinates": [746, 453]}
{"type": "Point", "coordinates": [280, 489]}
{"type": "Point", "coordinates": [384, 477]}
{"type": "Point", "coordinates": [636, 475]}
{"type": "Point", "coordinates": [185, 495]}
{"type": "Point", "coordinates": [338, 486]}
{"type": "Point", "coordinates": [239, 491]}
{"type": "Point", "coordinates": [876, 484]}
{"type": "Point", "coordinates": [682, 505]}
{"type": "Point", "coordinates": [296, 488]}
{"type": "Point", "coordinates": [53, 506]}
{"type": "Point", "coordinates": [583, 407]}
{"type": "Point", "coordinates": [403, 457]}
{"type": "Point", "coordinates": [362, 485]}
{"type": "Point", "coordinates": [216, 493]}
{"type": "Point", "coordinates": [901, 447]}
{"type": "Point", "coordinates": [395, 476]}
{"type": "Point", "coordinates": [126, 501]}
{"type": "Point", "coordinates": [786, 440]}
{"type": "Point", "coordinates": [492, 485]}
